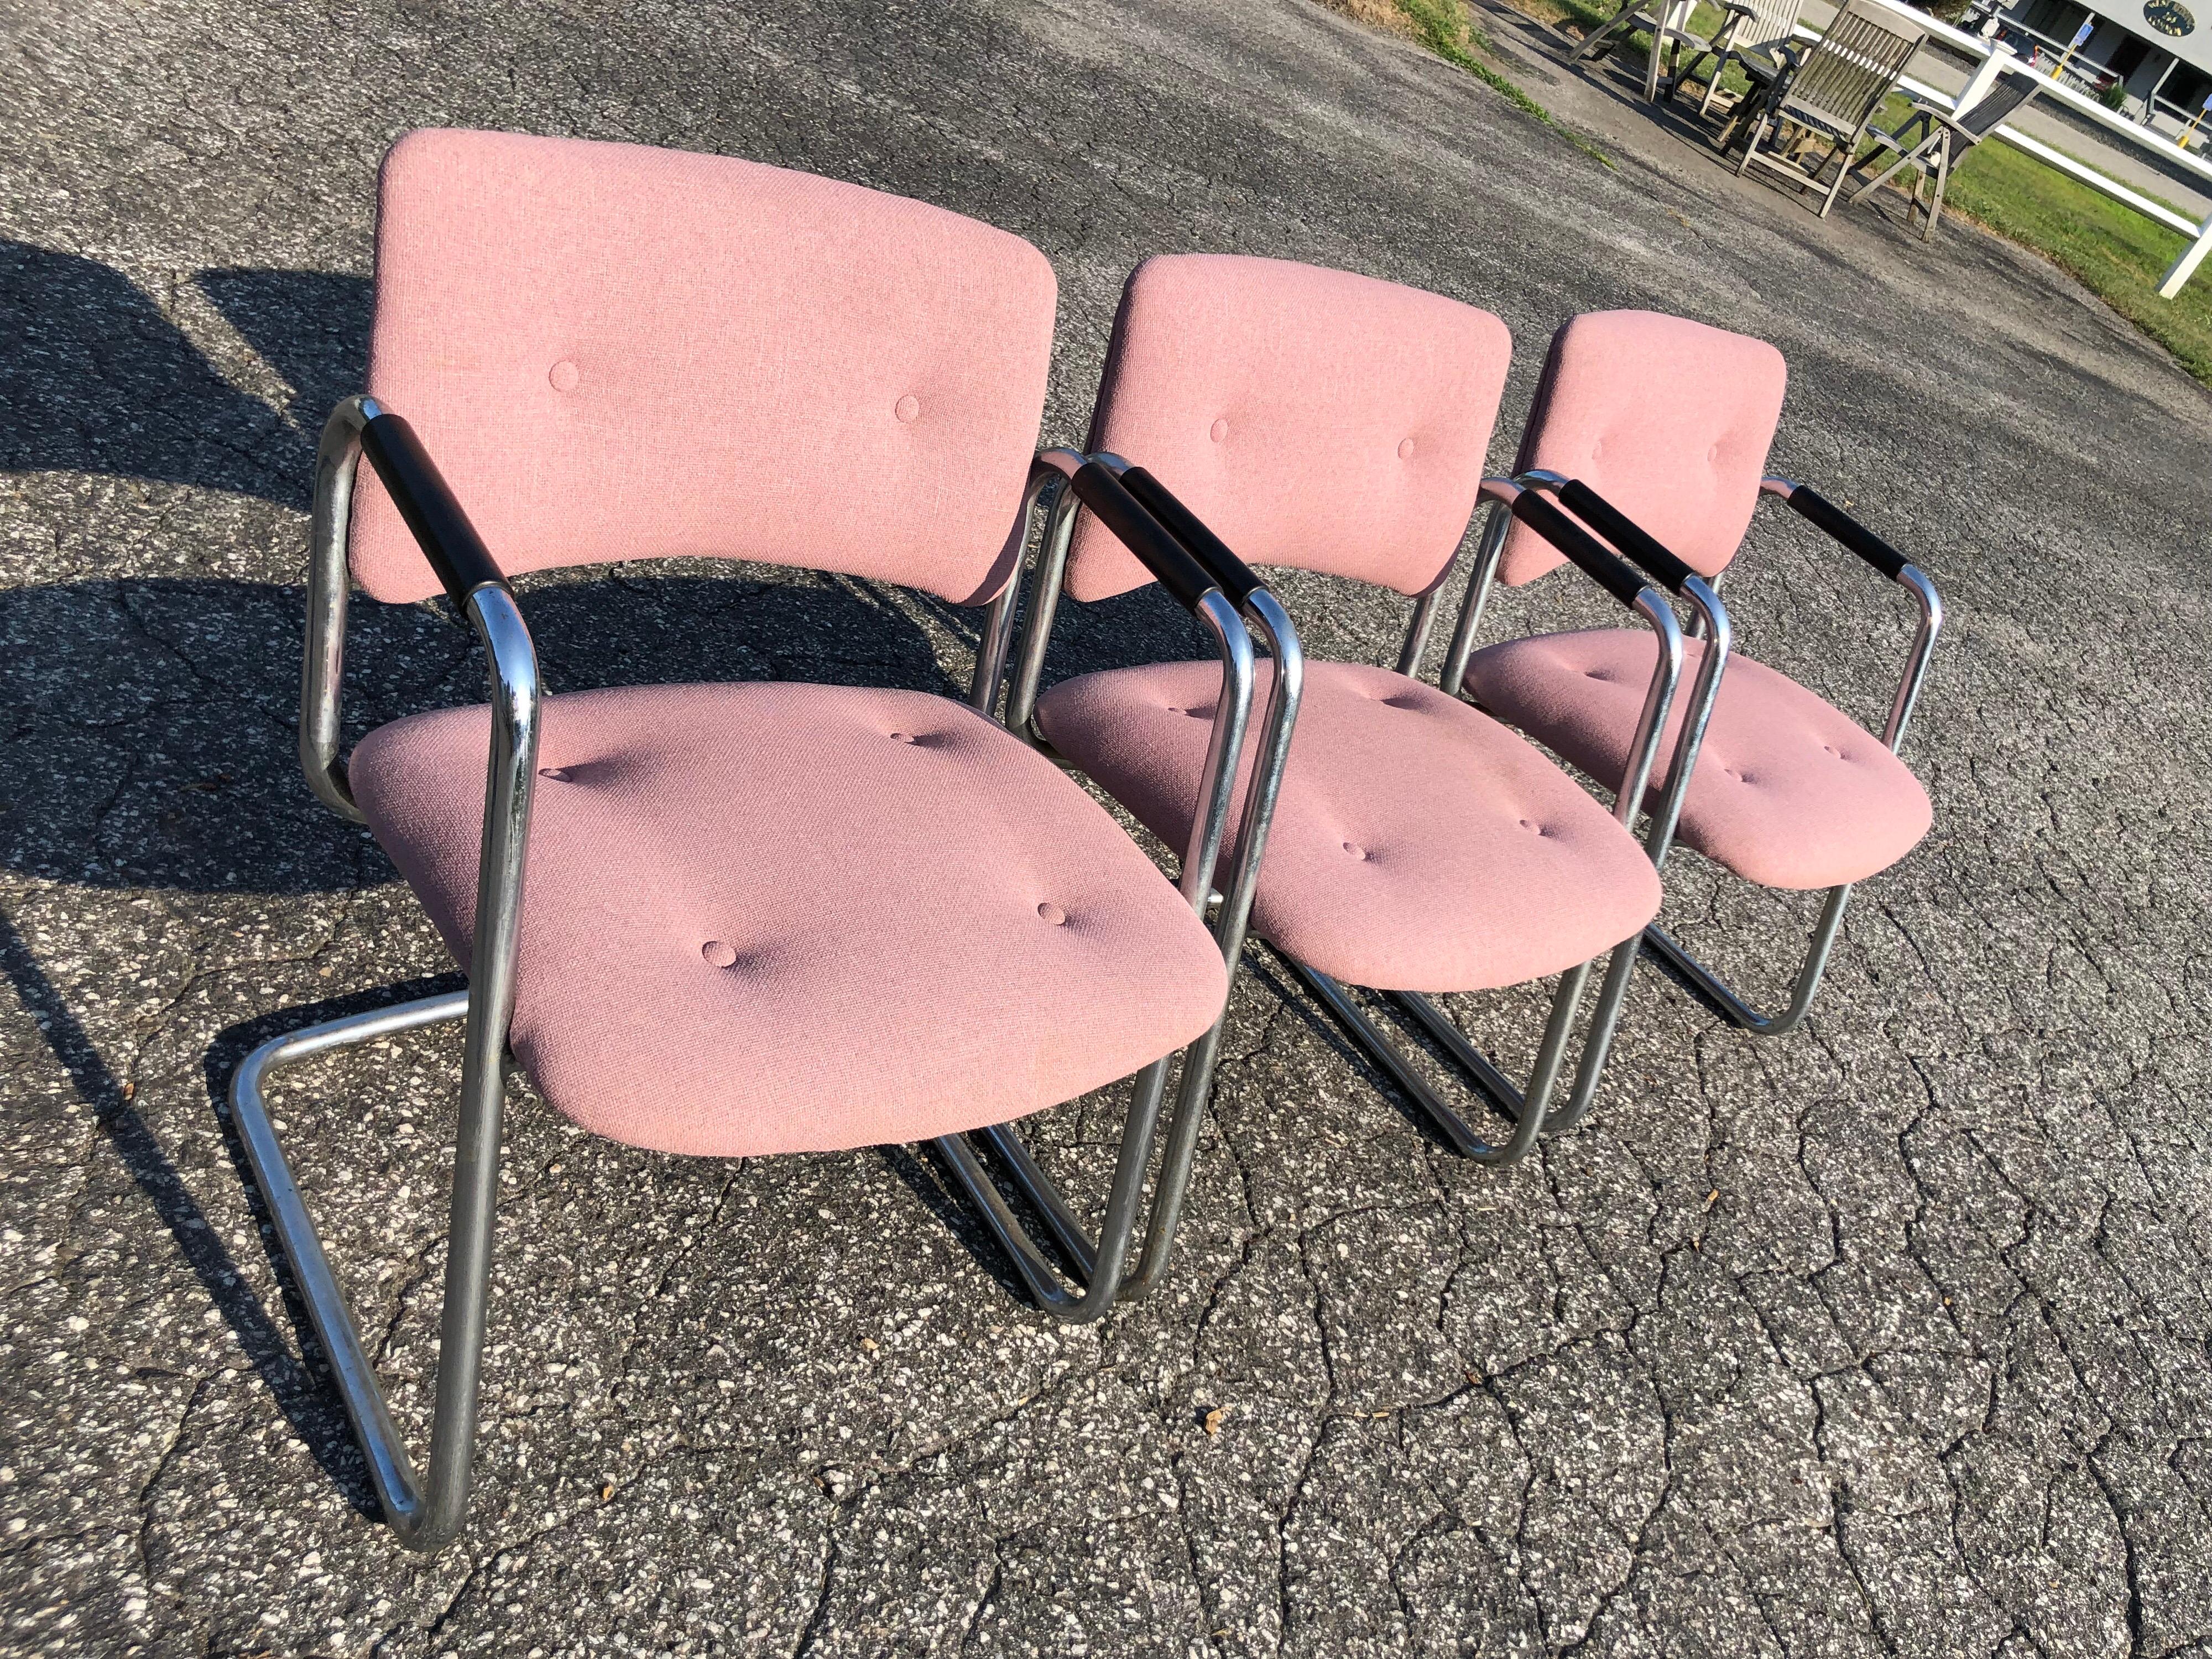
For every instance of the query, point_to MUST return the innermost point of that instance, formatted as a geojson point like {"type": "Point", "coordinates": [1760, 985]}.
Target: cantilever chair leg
{"type": "Point", "coordinates": [1096, 1266]}
{"type": "Point", "coordinates": [426, 1510]}
{"type": "Point", "coordinates": [1528, 1109]}
{"type": "Point", "coordinates": [1710, 988]}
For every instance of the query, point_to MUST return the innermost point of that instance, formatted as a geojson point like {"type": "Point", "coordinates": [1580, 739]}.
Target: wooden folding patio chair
{"type": "Point", "coordinates": [1760, 37]}
{"type": "Point", "coordinates": [1834, 94]}
{"type": "Point", "coordinates": [1932, 138]}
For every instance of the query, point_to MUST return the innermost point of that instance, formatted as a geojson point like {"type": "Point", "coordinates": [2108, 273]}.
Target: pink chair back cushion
{"type": "Point", "coordinates": [1311, 418]}
{"type": "Point", "coordinates": [613, 352]}
{"type": "Point", "coordinates": [1667, 419]}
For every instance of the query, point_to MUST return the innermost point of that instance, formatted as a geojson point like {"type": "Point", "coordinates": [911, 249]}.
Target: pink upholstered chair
{"type": "Point", "coordinates": [1671, 421]}
{"type": "Point", "coordinates": [1332, 423]}
{"type": "Point", "coordinates": [725, 920]}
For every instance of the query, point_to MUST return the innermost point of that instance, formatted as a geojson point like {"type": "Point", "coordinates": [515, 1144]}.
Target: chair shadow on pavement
{"type": "Point", "coordinates": [155, 719]}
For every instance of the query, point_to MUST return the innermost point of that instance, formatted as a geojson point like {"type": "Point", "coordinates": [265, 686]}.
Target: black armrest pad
{"type": "Point", "coordinates": [426, 503]}
{"type": "Point", "coordinates": [1609, 571]}
{"type": "Point", "coordinates": [1848, 530]}
{"type": "Point", "coordinates": [1233, 576]}
{"type": "Point", "coordinates": [1142, 534]}
{"type": "Point", "coordinates": [1642, 547]}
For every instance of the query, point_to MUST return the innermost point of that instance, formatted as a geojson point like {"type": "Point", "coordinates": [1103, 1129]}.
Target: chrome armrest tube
{"type": "Point", "coordinates": [1261, 610]}
{"type": "Point", "coordinates": [994, 641]}
{"type": "Point", "coordinates": [1710, 620]}
{"type": "Point", "coordinates": [1847, 532]}
{"type": "Point", "coordinates": [1527, 499]}
{"type": "Point", "coordinates": [1088, 483]}
{"type": "Point", "coordinates": [428, 1510]}
{"type": "Point", "coordinates": [338, 459]}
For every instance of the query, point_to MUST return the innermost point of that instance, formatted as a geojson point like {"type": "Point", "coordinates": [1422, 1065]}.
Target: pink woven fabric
{"type": "Point", "coordinates": [1311, 418]}
{"type": "Point", "coordinates": [613, 352]}
{"type": "Point", "coordinates": [1417, 844]}
{"type": "Point", "coordinates": [1667, 419]}
{"type": "Point", "coordinates": [1788, 791]}
{"type": "Point", "coordinates": [768, 918]}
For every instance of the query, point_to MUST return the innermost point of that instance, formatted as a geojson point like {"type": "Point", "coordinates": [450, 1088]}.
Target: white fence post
{"type": "Point", "coordinates": [2186, 267]}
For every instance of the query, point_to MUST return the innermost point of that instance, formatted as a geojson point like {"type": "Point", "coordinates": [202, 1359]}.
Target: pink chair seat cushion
{"type": "Point", "coordinates": [1417, 844]}
{"type": "Point", "coordinates": [773, 918]}
{"type": "Point", "coordinates": [1788, 791]}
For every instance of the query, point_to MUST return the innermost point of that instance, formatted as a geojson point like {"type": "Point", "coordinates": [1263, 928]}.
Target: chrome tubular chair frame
{"type": "Point", "coordinates": [1530, 1107]}
{"type": "Point", "coordinates": [1064, 482]}
{"type": "Point", "coordinates": [425, 1510]}
{"type": "Point", "coordinates": [1265, 613]}
{"type": "Point", "coordinates": [1700, 980]}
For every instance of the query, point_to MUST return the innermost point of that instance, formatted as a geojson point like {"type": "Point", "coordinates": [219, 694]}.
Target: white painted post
{"type": "Point", "coordinates": [2186, 267]}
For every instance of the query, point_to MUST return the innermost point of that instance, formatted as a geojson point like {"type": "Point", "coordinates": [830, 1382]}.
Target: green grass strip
{"type": "Point", "coordinates": [1439, 25]}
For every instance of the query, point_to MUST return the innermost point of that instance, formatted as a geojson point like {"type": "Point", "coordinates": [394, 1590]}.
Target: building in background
{"type": "Point", "coordinates": [2151, 58]}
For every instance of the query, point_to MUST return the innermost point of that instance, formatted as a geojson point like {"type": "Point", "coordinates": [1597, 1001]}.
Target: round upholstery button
{"type": "Point", "coordinates": [557, 774]}
{"type": "Point", "coordinates": [1406, 450]}
{"type": "Point", "coordinates": [907, 409]}
{"type": "Point", "coordinates": [719, 953]}
{"type": "Point", "coordinates": [564, 376]}
{"type": "Point", "coordinates": [902, 736]}
{"type": "Point", "coordinates": [1714, 454]}
{"type": "Point", "coordinates": [1053, 913]}
{"type": "Point", "coordinates": [1220, 430]}
{"type": "Point", "coordinates": [1355, 849]}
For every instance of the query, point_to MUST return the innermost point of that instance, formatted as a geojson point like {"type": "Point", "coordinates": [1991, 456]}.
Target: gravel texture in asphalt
{"type": "Point", "coordinates": [1889, 1338]}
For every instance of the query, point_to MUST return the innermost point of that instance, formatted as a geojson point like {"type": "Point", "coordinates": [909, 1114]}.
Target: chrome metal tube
{"type": "Point", "coordinates": [1658, 699]}
{"type": "Point", "coordinates": [1453, 677]}
{"type": "Point", "coordinates": [510, 769]}
{"type": "Point", "coordinates": [391, 1472]}
{"type": "Point", "coordinates": [1194, 1087]}
{"type": "Point", "coordinates": [337, 461]}
{"type": "Point", "coordinates": [1417, 630]}
{"type": "Point", "coordinates": [1707, 986]}
{"type": "Point", "coordinates": [1719, 635]}
{"type": "Point", "coordinates": [994, 638]}
{"type": "Point", "coordinates": [1051, 573]}
{"type": "Point", "coordinates": [1923, 645]}
{"type": "Point", "coordinates": [1224, 748]}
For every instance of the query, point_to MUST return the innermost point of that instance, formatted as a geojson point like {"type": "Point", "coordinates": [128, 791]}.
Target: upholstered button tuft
{"type": "Point", "coordinates": [1355, 849]}
{"type": "Point", "coordinates": [907, 409]}
{"type": "Point", "coordinates": [1053, 914]}
{"type": "Point", "coordinates": [1713, 454]}
{"type": "Point", "coordinates": [719, 953]}
{"type": "Point", "coordinates": [1596, 674]}
{"type": "Point", "coordinates": [1406, 449]}
{"type": "Point", "coordinates": [564, 376]}
{"type": "Point", "coordinates": [1220, 430]}
{"type": "Point", "coordinates": [557, 774]}
{"type": "Point", "coordinates": [1597, 447]}
{"type": "Point", "coordinates": [902, 736]}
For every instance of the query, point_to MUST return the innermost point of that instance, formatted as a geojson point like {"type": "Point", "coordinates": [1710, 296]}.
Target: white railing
{"type": "Point", "coordinates": [1992, 57]}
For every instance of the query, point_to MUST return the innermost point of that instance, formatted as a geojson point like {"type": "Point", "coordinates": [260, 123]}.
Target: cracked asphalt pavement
{"type": "Point", "coordinates": [1888, 1339]}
